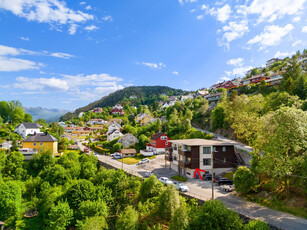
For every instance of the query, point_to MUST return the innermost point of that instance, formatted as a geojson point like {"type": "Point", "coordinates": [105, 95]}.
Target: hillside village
{"type": "Point", "coordinates": [167, 125]}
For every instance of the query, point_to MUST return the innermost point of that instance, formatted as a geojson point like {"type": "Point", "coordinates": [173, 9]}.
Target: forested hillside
{"type": "Point", "coordinates": [145, 95]}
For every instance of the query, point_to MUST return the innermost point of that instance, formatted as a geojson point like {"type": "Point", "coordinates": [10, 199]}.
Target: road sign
{"type": "Point", "coordinates": [197, 171]}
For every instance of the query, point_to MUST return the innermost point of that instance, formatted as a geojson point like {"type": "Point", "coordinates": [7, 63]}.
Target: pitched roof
{"type": "Point", "coordinates": [41, 137]}
{"type": "Point", "coordinates": [29, 125]}
{"type": "Point", "coordinates": [128, 151]}
{"type": "Point", "coordinates": [157, 135]}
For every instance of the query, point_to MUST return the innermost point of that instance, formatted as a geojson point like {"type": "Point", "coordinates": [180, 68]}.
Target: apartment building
{"type": "Point", "coordinates": [188, 154]}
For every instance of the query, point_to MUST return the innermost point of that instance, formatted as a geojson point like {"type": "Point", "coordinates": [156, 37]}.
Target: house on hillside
{"type": "Point", "coordinates": [114, 125]}
{"type": "Point", "coordinates": [143, 118]}
{"type": "Point", "coordinates": [128, 140]}
{"type": "Point", "coordinates": [128, 152]}
{"type": "Point", "coordinates": [133, 97]}
{"type": "Point", "coordinates": [213, 99]}
{"type": "Point", "coordinates": [6, 145]}
{"type": "Point", "coordinates": [113, 134]}
{"type": "Point", "coordinates": [81, 133]}
{"type": "Point", "coordinates": [302, 59]}
{"type": "Point", "coordinates": [189, 96]}
{"type": "Point", "coordinates": [97, 110]}
{"type": "Point", "coordinates": [110, 122]}
{"type": "Point", "coordinates": [270, 62]}
{"type": "Point", "coordinates": [274, 79]}
{"type": "Point", "coordinates": [26, 128]}
{"type": "Point", "coordinates": [62, 124]}
{"type": "Point", "coordinates": [202, 93]}
{"type": "Point", "coordinates": [96, 122]}
{"type": "Point", "coordinates": [157, 144]}
{"type": "Point", "coordinates": [41, 142]}
{"type": "Point", "coordinates": [81, 114]}
{"type": "Point", "coordinates": [189, 154]}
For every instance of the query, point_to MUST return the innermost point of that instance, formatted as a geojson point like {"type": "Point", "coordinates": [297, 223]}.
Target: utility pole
{"type": "Point", "coordinates": [212, 162]}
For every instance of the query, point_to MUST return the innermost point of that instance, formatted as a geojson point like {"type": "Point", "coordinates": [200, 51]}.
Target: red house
{"type": "Point", "coordinates": [226, 85]}
{"type": "Point", "coordinates": [97, 110]}
{"type": "Point", "coordinates": [158, 142]}
{"type": "Point", "coordinates": [117, 111]}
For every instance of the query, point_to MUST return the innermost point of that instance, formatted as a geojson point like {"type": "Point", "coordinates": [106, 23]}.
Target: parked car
{"type": "Point", "coordinates": [181, 186]}
{"type": "Point", "coordinates": [117, 156]}
{"type": "Point", "coordinates": [223, 181]}
{"type": "Point", "coordinates": [95, 154]}
{"type": "Point", "coordinates": [145, 160]}
{"type": "Point", "coordinates": [165, 181]}
{"type": "Point", "coordinates": [86, 150]}
{"type": "Point", "coordinates": [227, 188]}
{"type": "Point", "coordinates": [113, 154]}
{"type": "Point", "coordinates": [149, 173]}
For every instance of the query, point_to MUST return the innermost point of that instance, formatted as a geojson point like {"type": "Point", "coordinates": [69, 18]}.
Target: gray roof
{"type": "Point", "coordinates": [29, 125]}
{"type": "Point", "coordinates": [198, 142]}
{"type": "Point", "coordinates": [41, 137]}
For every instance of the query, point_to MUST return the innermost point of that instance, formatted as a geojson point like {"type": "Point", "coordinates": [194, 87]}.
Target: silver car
{"type": "Point", "coordinates": [181, 186]}
{"type": "Point", "coordinates": [165, 181]}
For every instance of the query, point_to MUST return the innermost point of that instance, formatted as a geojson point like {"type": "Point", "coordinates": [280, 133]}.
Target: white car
{"type": "Point", "coordinates": [149, 173]}
{"type": "Point", "coordinates": [145, 160]}
{"type": "Point", "coordinates": [165, 181]}
{"type": "Point", "coordinates": [95, 154]}
{"type": "Point", "coordinates": [181, 186]}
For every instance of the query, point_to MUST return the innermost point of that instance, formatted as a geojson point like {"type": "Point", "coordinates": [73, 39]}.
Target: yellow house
{"type": "Point", "coordinates": [41, 142]}
{"type": "Point", "coordinates": [143, 119]}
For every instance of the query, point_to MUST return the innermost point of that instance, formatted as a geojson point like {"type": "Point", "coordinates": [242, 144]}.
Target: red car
{"type": "Point", "coordinates": [86, 150]}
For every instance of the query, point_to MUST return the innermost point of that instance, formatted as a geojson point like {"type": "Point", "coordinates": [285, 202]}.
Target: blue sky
{"type": "Point", "coordinates": [66, 54]}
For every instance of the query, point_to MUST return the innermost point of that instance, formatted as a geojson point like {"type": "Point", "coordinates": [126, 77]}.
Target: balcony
{"type": "Point", "coordinates": [185, 152]}
{"type": "Point", "coordinates": [185, 164]}
{"type": "Point", "coordinates": [168, 157]}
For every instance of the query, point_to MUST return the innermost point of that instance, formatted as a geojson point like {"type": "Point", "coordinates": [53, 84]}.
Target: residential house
{"type": "Point", "coordinates": [81, 133]}
{"type": "Point", "coordinates": [190, 154]}
{"type": "Point", "coordinates": [110, 122]}
{"type": "Point", "coordinates": [213, 99]}
{"type": "Point", "coordinates": [128, 140]}
{"type": "Point", "coordinates": [202, 93]}
{"type": "Point", "coordinates": [189, 96]}
{"type": "Point", "coordinates": [62, 124]}
{"type": "Point", "coordinates": [157, 144]}
{"type": "Point", "coordinates": [26, 128]}
{"type": "Point", "coordinates": [6, 145]}
{"type": "Point", "coordinates": [41, 142]}
{"type": "Point", "coordinates": [270, 62]}
{"type": "Point", "coordinates": [114, 125]}
{"type": "Point", "coordinates": [302, 59]}
{"type": "Point", "coordinates": [274, 79]}
{"type": "Point", "coordinates": [97, 110]}
{"type": "Point", "coordinates": [71, 129]}
{"type": "Point", "coordinates": [113, 134]}
{"type": "Point", "coordinates": [81, 114]}
{"type": "Point", "coordinates": [128, 152]}
{"type": "Point", "coordinates": [143, 118]}
{"type": "Point", "coordinates": [133, 97]}
{"type": "Point", "coordinates": [96, 122]}
{"type": "Point", "coordinates": [254, 79]}
{"type": "Point", "coordinates": [118, 110]}
{"type": "Point", "coordinates": [28, 153]}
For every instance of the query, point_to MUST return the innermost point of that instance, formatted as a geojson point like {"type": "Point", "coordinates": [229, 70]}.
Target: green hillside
{"type": "Point", "coordinates": [146, 95]}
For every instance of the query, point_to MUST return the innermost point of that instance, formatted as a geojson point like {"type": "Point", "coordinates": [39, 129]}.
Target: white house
{"type": "Point", "coordinates": [62, 123]}
{"type": "Point", "coordinates": [96, 122]}
{"type": "Point", "coordinates": [113, 126]}
{"type": "Point", "coordinates": [128, 140]}
{"type": "Point", "coordinates": [115, 133]}
{"type": "Point", "coordinates": [26, 128]}
{"type": "Point", "coordinates": [81, 114]}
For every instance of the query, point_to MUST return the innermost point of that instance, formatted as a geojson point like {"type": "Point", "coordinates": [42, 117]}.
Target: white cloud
{"type": "Point", "coordinates": [88, 7]}
{"type": "Point", "coordinates": [271, 36]}
{"type": "Point", "coordinates": [272, 9]}
{"type": "Point", "coordinates": [25, 38]}
{"type": "Point", "coordinates": [203, 7]}
{"type": "Point", "coordinates": [304, 29]}
{"type": "Point", "coordinates": [62, 55]}
{"type": "Point", "coordinates": [159, 65]}
{"type": "Point", "coordinates": [107, 18]}
{"type": "Point", "coordinates": [72, 29]}
{"type": "Point", "coordinates": [46, 11]}
{"type": "Point", "coordinates": [283, 54]}
{"type": "Point", "coordinates": [223, 13]}
{"type": "Point", "coordinates": [234, 30]}
{"type": "Point", "coordinates": [49, 84]}
{"type": "Point", "coordinates": [16, 64]}
{"type": "Point", "coordinates": [225, 78]}
{"type": "Point", "coordinates": [200, 17]}
{"type": "Point", "coordinates": [82, 3]}
{"type": "Point", "coordinates": [239, 71]}
{"type": "Point", "coordinates": [175, 73]}
{"type": "Point", "coordinates": [91, 27]}
{"type": "Point", "coordinates": [7, 50]}
{"type": "Point", "coordinates": [235, 62]}
{"type": "Point", "coordinates": [296, 19]}
{"type": "Point", "coordinates": [298, 42]}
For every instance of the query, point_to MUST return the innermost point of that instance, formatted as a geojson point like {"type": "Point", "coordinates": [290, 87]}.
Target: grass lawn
{"type": "Point", "coordinates": [179, 178]}
{"type": "Point", "coordinates": [136, 159]}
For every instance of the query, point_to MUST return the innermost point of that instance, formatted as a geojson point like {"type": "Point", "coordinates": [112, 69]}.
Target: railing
{"type": "Point", "coordinates": [185, 152]}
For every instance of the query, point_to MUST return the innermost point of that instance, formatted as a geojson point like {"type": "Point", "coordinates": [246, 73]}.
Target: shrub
{"type": "Point", "coordinates": [169, 201]}
{"type": "Point", "coordinates": [256, 225]}
{"type": "Point", "coordinates": [128, 220]}
{"type": "Point", "coordinates": [179, 178]}
{"type": "Point", "coordinates": [244, 180]}
{"type": "Point", "coordinates": [214, 215]}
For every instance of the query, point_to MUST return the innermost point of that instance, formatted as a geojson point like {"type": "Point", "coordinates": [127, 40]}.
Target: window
{"type": "Point", "coordinates": [41, 143]}
{"type": "Point", "coordinates": [214, 149]}
{"type": "Point", "coordinates": [34, 144]}
{"type": "Point", "coordinates": [224, 161]}
{"type": "Point", "coordinates": [175, 158]}
{"type": "Point", "coordinates": [163, 138]}
{"type": "Point", "coordinates": [224, 149]}
{"type": "Point", "coordinates": [166, 143]}
{"type": "Point", "coordinates": [206, 150]}
{"type": "Point", "coordinates": [206, 162]}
